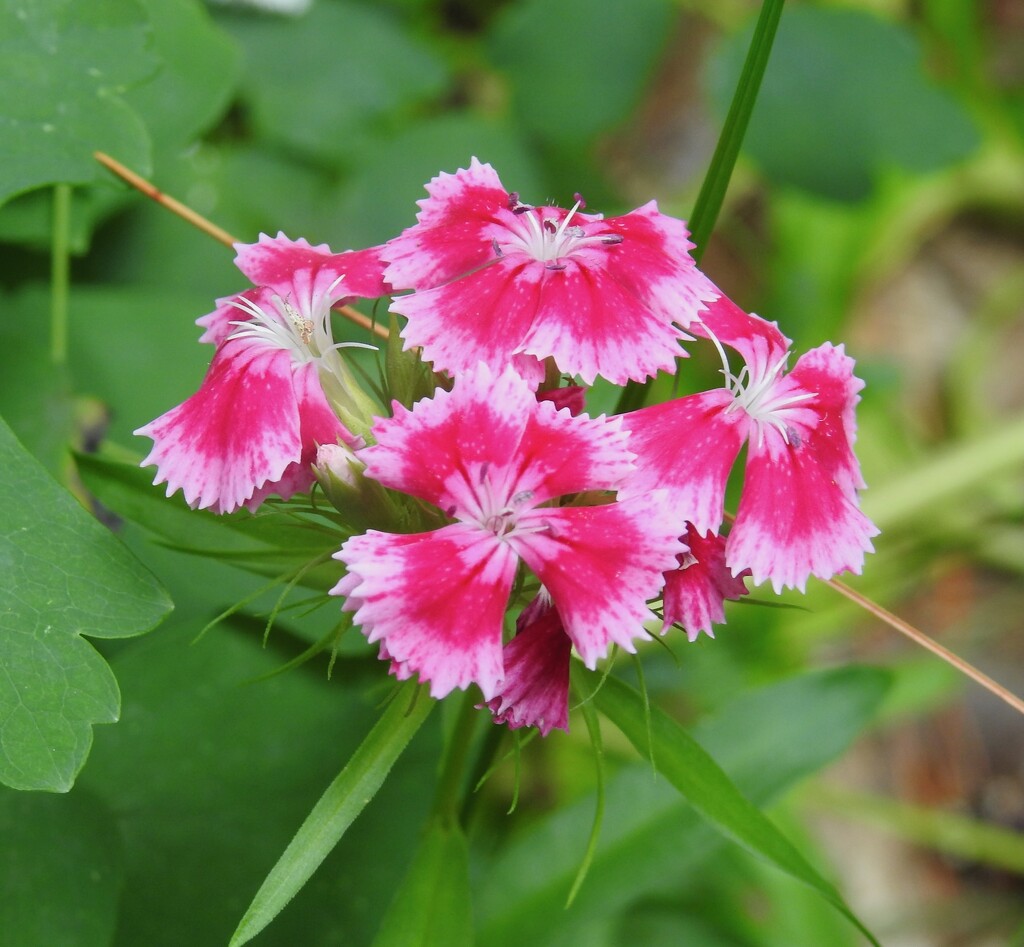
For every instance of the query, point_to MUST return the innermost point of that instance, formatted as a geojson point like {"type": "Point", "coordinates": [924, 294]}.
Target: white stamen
{"type": "Point", "coordinates": [277, 333]}
{"type": "Point", "coordinates": [754, 395]}
{"type": "Point", "coordinates": [539, 236]}
{"type": "Point", "coordinates": [305, 338]}
{"type": "Point", "coordinates": [495, 517]}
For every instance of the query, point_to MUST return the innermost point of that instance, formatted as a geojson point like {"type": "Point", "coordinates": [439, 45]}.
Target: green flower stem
{"type": "Point", "coordinates": [452, 782]}
{"type": "Point", "coordinates": [59, 270]}
{"type": "Point", "coordinates": [716, 180]}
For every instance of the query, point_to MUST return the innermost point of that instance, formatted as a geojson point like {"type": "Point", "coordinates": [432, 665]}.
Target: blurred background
{"type": "Point", "coordinates": [878, 202]}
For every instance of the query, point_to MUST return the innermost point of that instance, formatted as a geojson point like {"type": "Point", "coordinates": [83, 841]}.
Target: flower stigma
{"type": "Point", "coordinates": [759, 396]}
{"type": "Point", "coordinates": [546, 240]}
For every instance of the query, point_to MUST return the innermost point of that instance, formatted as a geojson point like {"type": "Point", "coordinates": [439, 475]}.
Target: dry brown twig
{"type": "Point", "coordinates": [212, 230]}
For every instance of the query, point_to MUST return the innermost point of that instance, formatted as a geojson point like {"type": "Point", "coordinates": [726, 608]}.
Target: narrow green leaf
{"type": "Point", "coordinates": [432, 906]}
{"type": "Point", "coordinates": [716, 181]}
{"type": "Point", "coordinates": [59, 274]}
{"type": "Point", "coordinates": [65, 576]}
{"type": "Point", "coordinates": [210, 776]}
{"type": "Point", "coordinates": [336, 809]}
{"type": "Point", "coordinates": [654, 843]}
{"type": "Point", "coordinates": [597, 748]}
{"type": "Point", "coordinates": [681, 760]}
{"type": "Point", "coordinates": [267, 544]}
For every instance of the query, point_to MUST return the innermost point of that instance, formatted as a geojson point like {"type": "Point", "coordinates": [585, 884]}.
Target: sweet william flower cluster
{"type": "Point", "coordinates": [494, 526]}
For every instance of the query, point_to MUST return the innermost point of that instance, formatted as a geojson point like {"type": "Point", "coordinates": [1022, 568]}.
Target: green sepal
{"type": "Point", "coordinates": [409, 378]}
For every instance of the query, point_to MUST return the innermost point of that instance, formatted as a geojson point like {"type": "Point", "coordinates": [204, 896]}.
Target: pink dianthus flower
{"type": "Point", "coordinates": [499, 281]}
{"type": "Point", "coordinates": [535, 689]}
{"type": "Point", "coordinates": [496, 461]}
{"type": "Point", "coordinates": [799, 511]}
{"type": "Point", "coordinates": [695, 592]}
{"type": "Point", "coordinates": [275, 385]}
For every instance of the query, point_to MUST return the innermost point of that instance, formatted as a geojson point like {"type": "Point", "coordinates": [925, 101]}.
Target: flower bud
{"type": "Point", "coordinates": [362, 502]}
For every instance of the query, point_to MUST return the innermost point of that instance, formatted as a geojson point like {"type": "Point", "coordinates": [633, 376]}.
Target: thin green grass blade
{"type": "Point", "coordinates": [949, 832]}
{"type": "Point", "coordinates": [961, 468]}
{"type": "Point", "coordinates": [337, 809]}
{"type": "Point", "coordinates": [700, 780]}
{"type": "Point", "coordinates": [594, 729]}
{"type": "Point", "coordinates": [60, 273]}
{"type": "Point", "coordinates": [716, 180]}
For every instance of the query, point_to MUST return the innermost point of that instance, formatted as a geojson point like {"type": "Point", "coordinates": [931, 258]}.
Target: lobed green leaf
{"type": "Point", "coordinates": [200, 66]}
{"type": "Point", "coordinates": [355, 67]}
{"type": "Point", "coordinates": [65, 576]}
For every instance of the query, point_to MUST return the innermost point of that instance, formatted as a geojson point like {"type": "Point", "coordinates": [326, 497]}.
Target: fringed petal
{"type": "Point", "coordinates": [475, 427]}
{"type": "Point", "coordinates": [828, 372]}
{"type": "Point", "coordinates": [489, 433]}
{"type": "Point", "coordinates": [591, 325]}
{"type": "Point", "coordinates": [695, 593]}
{"type": "Point", "coordinates": [496, 278]}
{"type": "Point", "coordinates": [562, 453]}
{"type": "Point", "coordinates": [481, 317]}
{"type": "Point", "coordinates": [600, 564]}
{"type": "Point", "coordinates": [530, 369]}
{"type": "Point", "coordinates": [219, 324]}
{"type": "Point", "coordinates": [318, 424]}
{"type": "Point", "coordinates": [572, 397]}
{"type": "Point", "coordinates": [687, 447]}
{"type": "Point", "coordinates": [453, 232]}
{"type": "Point", "coordinates": [436, 600]}
{"type": "Point", "coordinates": [239, 431]}
{"type": "Point", "coordinates": [795, 520]}
{"type": "Point", "coordinates": [276, 262]}
{"type": "Point", "coordinates": [758, 341]}
{"type": "Point", "coordinates": [653, 264]}
{"type": "Point", "coordinates": [535, 691]}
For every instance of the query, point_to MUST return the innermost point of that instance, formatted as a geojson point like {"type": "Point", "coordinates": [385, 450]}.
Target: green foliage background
{"type": "Point", "coordinates": [879, 201]}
